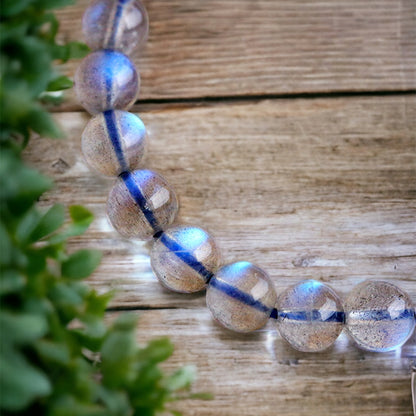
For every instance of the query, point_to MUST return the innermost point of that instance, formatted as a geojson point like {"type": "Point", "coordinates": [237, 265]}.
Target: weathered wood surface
{"type": "Point", "coordinates": [318, 188]}
{"type": "Point", "coordinates": [306, 188]}
{"type": "Point", "coordinates": [245, 47]}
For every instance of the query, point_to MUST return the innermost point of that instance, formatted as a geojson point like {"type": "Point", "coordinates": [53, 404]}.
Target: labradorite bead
{"type": "Point", "coordinates": [241, 296]}
{"type": "Point", "coordinates": [106, 80]}
{"type": "Point", "coordinates": [184, 258]}
{"type": "Point", "coordinates": [114, 142]}
{"type": "Point", "coordinates": [122, 25]}
{"type": "Point", "coordinates": [379, 316]}
{"type": "Point", "coordinates": [141, 204]}
{"type": "Point", "coordinates": [310, 316]}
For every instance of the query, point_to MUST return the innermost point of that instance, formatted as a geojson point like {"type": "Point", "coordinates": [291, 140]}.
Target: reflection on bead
{"type": "Point", "coordinates": [379, 316]}
{"type": "Point", "coordinates": [310, 316]}
{"type": "Point", "coordinates": [113, 142]}
{"type": "Point", "coordinates": [115, 24]}
{"type": "Point", "coordinates": [184, 258]}
{"type": "Point", "coordinates": [141, 204]}
{"type": "Point", "coordinates": [106, 80]}
{"type": "Point", "coordinates": [241, 297]}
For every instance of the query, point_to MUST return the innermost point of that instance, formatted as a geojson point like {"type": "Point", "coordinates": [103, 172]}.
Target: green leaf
{"type": "Point", "coordinates": [50, 222]}
{"type": "Point", "coordinates": [80, 214]}
{"type": "Point", "coordinates": [125, 322]}
{"type": "Point", "coordinates": [156, 351]}
{"type": "Point", "coordinates": [20, 382]}
{"type": "Point", "coordinates": [81, 264]}
{"type": "Point", "coordinates": [53, 351]}
{"type": "Point", "coordinates": [181, 379]}
{"type": "Point", "coordinates": [11, 281]}
{"type": "Point", "coordinates": [41, 122]}
{"type": "Point", "coordinates": [6, 247]}
{"type": "Point", "coordinates": [13, 7]}
{"type": "Point", "coordinates": [117, 402]}
{"type": "Point", "coordinates": [81, 218]}
{"type": "Point", "coordinates": [60, 83]}
{"type": "Point", "coordinates": [27, 224]}
{"type": "Point", "coordinates": [77, 50]}
{"type": "Point", "coordinates": [21, 328]}
{"type": "Point", "coordinates": [68, 405]}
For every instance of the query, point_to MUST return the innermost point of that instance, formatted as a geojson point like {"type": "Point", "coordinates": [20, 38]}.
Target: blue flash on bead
{"type": "Point", "coordinates": [238, 294]}
{"type": "Point", "coordinates": [313, 315]}
{"type": "Point", "coordinates": [186, 257]}
{"type": "Point", "coordinates": [116, 22]}
{"type": "Point", "coordinates": [113, 134]}
{"type": "Point", "coordinates": [136, 193]}
{"type": "Point", "coordinates": [381, 315]}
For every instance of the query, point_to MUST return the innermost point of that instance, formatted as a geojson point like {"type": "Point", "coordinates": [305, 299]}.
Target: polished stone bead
{"type": "Point", "coordinates": [241, 297]}
{"type": "Point", "coordinates": [184, 258]}
{"type": "Point", "coordinates": [114, 142]}
{"type": "Point", "coordinates": [379, 316]}
{"type": "Point", "coordinates": [141, 204]}
{"type": "Point", "coordinates": [115, 24]}
{"type": "Point", "coordinates": [106, 80]}
{"type": "Point", "coordinates": [310, 316]}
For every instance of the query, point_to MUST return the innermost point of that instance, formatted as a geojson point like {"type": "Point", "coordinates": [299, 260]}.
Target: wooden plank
{"type": "Point", "coordinates": [259, 374]}
{"type": "Point", "coordinates": [321, 188]}
{"type": "Point", "coordinates": [216, 48]}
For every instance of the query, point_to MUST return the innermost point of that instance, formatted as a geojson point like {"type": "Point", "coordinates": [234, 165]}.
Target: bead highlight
{"type": "Point", "coordinates": [241, 297]}
{"type": "Point", "coordinates": [114, 142]}
{"type": "Point", "coordinates": [122, 25]}
{"type": "Point", "coordinates": [379, 316]}
{"type": "Point", "coordinates": [310, 316]}
{"type": "Point", "coordinates": [106, 80]}
{"type": "Point", "coordinates": [184, 259]}
{"type": "Point", "coordinates": [141, 204]}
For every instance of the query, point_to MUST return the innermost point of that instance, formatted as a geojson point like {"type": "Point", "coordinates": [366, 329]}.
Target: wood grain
{"type": "Point", "coordinates": [318, 188]}
{"type": "Point", "coordinates": [259, 374]}
{"type": "Point", "coordinates": [306, 188]}
{"type": "Point", "coordinates": [216, 48]}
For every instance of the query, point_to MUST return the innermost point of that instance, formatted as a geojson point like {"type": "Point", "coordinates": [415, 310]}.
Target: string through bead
{"type": "Point", "coordinates": [378, 315]}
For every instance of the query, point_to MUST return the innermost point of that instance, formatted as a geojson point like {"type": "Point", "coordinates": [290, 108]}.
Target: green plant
{"type": "Point", "coordinates": [57, 356]}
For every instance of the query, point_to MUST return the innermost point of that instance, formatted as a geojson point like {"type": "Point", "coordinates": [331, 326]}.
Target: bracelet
{"type": "Point", "coordinates": [378, 315]}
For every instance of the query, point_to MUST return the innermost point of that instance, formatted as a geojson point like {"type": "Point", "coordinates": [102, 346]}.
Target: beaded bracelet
{"type": "Point", "coordinates": [378, 315]}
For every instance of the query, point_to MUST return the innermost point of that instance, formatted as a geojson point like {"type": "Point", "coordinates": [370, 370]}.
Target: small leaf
{"type": "Point", "coordinates": [125, 322]}
{"type": "Point", "coordinates": [117, 402]}
{"type": "Point", "coordinates": [50, 222]}
{"type": "Point", "coordinates": [181, 379]}
{"type": "Point", "coordinates": [11, 281]}
{"type": "Point", "coordinates": [81, 264]}
{"type": "Point", "coordinates": [53, 351]}
{"type": "Point", "coordinates": [156, 351]}
{"type": "Point", "coordinates": [77, 50]}
{"type": "Point", "coordinates": [13, 7]}
{"type": "Point", "coordinates": [80, 214]}
{"type": "Point", "coordinates": [27, 224]}
{"type": "Point", "coordinates": [59, 84]}
{"type": "Point", "coordinates": [6, 252]}
{"type": "Point", "coordinates": [20, 382]}
{"type": "Point", "coordinates": [81, 217]}
{"type": "Point", "coordinates": [21, 328]}
{"type": "Point", "coordinates": [41, 122]}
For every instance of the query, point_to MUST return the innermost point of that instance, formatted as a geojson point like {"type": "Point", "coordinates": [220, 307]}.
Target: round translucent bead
{"type": "Point", "coordinates": [122, 25]}
{"type": "Point", "coordinates": [106, 80]}
{"type": "Point", "coordinates": [379, 316]}
{"type": "Point", "coordinates": [184, 258]}
{"type": "Point", "coordinates": [141, 204]}
{"type": "Point", "coordinates": [310, 316]}
{"type": "Point", "coordinates": [241, 297]}
{"type": "Point", "coordinates": [114, 142]}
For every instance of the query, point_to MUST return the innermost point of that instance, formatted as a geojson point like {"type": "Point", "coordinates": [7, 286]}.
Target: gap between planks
{"type": "Point", "coordinates": [150, 104]}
